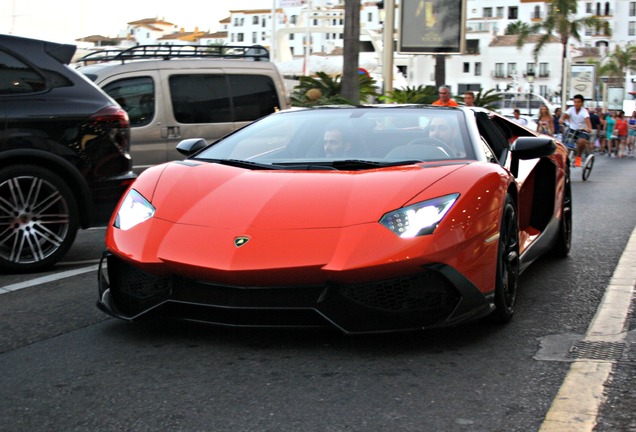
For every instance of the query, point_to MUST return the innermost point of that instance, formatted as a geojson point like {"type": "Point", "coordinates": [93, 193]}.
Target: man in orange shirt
{"type": "Point", "coordinates": [444, 97]}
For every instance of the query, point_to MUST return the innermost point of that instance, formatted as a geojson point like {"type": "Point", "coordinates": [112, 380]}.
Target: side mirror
{"type": "Point", "coordinates": [533, 147]}
{"type": "Point", "coordinates": [190, 146]}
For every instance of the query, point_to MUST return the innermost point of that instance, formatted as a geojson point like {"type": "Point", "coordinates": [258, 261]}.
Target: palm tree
{"type": "Point", "coordinates": [412, 95]}
{"type": "Point", "coordinates": [327, 90]}
{"type": "Point", "coordinates": [561, 21]}
{"type": "Point", "coordinates": [350, 81]}
{"type": "Point", "coordinates": [519, 28]}
{"type": "Point", "coordinates": [620, 61]}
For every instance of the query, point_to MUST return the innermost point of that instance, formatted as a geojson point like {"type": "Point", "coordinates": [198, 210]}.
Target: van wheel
{"type": "Point", "coordinates": [38, 218]}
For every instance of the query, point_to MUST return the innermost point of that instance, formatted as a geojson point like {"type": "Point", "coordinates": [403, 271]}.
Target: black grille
{"type": "Point", "coordinates": [424, 292]}
{"type": "Point", "coordinates": [136, 290]}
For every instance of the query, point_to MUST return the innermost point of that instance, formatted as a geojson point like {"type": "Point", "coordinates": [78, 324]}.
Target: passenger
{"type": "Point", "coordinates": [441, 129]}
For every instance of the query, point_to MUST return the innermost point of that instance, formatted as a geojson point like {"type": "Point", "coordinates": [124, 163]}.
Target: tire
{"type": "Point", "coordinates": [587, 167]}
{"type": "Point", "coordinates": [564, 237]}
{"type": "Point", "coordinates": [38, 218]}
{"type": "Point", "coordinates": [507, 281]}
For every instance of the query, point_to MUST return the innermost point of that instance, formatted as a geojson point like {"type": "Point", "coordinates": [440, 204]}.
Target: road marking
{"type": "Point", "coordinates": [46, 279]}
{"type": "Point", "coordinates": [576, 406]}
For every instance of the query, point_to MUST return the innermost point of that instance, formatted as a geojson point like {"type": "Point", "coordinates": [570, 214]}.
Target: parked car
{"type": "Point", "coordinates": [380, 218]}
{"type": "Point", "coordinates": [177, 92]}
{"type": "Point", "coordinates": [64, 153]}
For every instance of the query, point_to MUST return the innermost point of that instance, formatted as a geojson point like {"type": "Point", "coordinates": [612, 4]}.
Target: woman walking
{"type": "Point", "coordinates": [545, 122]}
{"type": "Point", "coordinates": [620, 131]}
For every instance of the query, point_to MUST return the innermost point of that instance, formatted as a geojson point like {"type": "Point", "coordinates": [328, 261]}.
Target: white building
{"type": "Point", "coordinates": [491, 60]}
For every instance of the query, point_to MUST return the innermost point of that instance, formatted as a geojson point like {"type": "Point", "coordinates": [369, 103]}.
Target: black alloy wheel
{"type": "Point", "coordinates": [507, 281]}
{"type": "Point", "coordinates": [38, 218]}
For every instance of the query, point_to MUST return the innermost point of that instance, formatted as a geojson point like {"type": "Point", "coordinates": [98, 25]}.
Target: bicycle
{"type": "Point", "coordinates": [587, 157]}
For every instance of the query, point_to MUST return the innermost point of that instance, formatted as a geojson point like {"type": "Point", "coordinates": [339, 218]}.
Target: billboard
{"type": "Point", "coordinates": [432, 26]}
{"type": "Point", "coordinates": [583, 79]}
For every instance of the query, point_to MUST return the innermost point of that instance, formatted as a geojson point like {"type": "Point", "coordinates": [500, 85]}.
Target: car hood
{"type": "Point", "coordinates": [214, 195]}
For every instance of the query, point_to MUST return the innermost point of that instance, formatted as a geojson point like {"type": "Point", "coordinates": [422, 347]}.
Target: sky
{"type": "Point", "coordinates": [68, 20]}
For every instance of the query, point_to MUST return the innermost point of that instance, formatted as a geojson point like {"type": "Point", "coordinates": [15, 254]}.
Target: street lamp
{"type": "Point", "coordinates": [530, 79]}
{"type": "Point", "coordinates": [387, 16]}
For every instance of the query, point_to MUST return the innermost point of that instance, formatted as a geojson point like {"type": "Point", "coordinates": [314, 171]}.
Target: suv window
{"type": "Point", "coordinates": [228, 98]}
{"type": "Point", "coordinates": [136, 96]}
{"type": "Point", "coordinates": [16, 77]}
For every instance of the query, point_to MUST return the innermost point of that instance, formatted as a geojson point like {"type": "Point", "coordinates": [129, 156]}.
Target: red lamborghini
{"type": "Point", "coordinates": [377, 218]}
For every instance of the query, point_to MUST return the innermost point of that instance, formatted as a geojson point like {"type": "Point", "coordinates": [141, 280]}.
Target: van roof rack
{"type": "Point", "coordinates": [167, 52]}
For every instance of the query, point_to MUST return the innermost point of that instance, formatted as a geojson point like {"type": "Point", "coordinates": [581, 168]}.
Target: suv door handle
{"type": "Point", "coordinates": [170, 132]}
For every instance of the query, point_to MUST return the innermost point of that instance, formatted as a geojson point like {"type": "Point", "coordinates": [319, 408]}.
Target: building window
{"type": "Point", "coordinates": [530, 68]}
{"type": "Point", "coordinates": [487, 12]}
{"type": "Point", "coordinates": [369, 17]}
{"type": "Point", "coordinates": [631, 28]}
{"type": "Point", "coordinates": [466, 67]}
{"type": "Point", "coordinates": [632, 9]}
{"type": "Point", "coordinates": [512, 69]}
{"type": "Point", "coordinates": [477, 68]}
{"type": "Point", "coordinates": [499, 70]}
{"type": "Point", "coordinates": [293, 19]}
{"type": "Point", "coordinates": [513, 12]}
{"type": "Point", "coordinates": [255, 20]}
{"type": "Point", "coordinates": [500, 12]}
{"type": "Point", "coordinates": [588, 8]}
{"type": "Point", "coordinates": [239, 37]}
{"type": "Point", "coordinates": [544, 70]}
{"type": "Point", "coordinates": [254, 37]}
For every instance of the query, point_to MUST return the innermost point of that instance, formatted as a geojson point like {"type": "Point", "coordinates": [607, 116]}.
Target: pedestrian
{"type": "Point", "coordinates": [545, 124]}
{"type": "Point", "coordinates": [602, 139]}
{"type": "Point", "coordinates": [444, 97]}
{"type": "Point", "coordinates": [557, 125]}
{"type": "Point", "coordinates": [610, 122]}
{"type": "Point", "coordinates": [631, 134]}
{"type": "Point", "coordinates": [469, 98]}
{"type": "Point", "coordinates": [516, 117]}
{"type": "Point", "coordinates": [579, 122]}
{"type": "Point", "coordinates": [620, 130]}
{"type": "Point", "coordinates": [596, 125]}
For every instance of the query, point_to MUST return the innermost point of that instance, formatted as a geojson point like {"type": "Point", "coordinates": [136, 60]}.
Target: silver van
{"type": "Point", "coordinates": [176, 92]}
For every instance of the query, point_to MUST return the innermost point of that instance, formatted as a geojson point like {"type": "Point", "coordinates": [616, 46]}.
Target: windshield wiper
{"type": "Point", "coordinates": [243, 164]}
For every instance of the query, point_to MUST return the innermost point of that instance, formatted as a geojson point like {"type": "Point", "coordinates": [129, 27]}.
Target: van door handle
{"type": "Point", "coordinates": [170, 132]}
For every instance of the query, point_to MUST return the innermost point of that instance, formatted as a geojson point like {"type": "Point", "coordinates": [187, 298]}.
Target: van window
{"type": "Point", "coordinates": [254, 96]}
{"type": "Point", "coordinates": [200, 98]}
{"type": "Point", "coordinates": [136, 96]}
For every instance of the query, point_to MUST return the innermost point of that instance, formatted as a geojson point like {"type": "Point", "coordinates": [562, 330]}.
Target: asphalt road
{"type": "Point", "coordinates": [67, 367]}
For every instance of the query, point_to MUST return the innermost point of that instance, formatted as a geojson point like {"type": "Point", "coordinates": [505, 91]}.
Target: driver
{"type": "Point", "coordinates": [337, 140]}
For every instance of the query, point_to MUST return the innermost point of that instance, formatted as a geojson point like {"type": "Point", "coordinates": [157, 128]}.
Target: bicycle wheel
{"type": "Point", "coordinates": [587, 167]}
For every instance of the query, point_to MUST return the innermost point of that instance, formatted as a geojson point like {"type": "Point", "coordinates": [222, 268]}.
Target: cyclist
{"type": "Point", "coordinates": [580, 126]}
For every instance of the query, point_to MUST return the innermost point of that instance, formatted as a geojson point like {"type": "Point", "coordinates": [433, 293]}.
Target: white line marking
{"type": "Point", "coordinates": [576, 406]}
{"type": "Point", "coordinates": [45, 279]}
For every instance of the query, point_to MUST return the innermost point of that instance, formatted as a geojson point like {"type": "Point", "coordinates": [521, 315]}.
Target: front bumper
{"type": "Point", "coordinates": [436, 296]}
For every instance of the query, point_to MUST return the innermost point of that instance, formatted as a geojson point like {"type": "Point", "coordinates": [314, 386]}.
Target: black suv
{"type": "Point", "coordinates": [64, 153]}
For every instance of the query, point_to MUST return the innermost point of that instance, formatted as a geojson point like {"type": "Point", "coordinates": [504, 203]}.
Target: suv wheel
{"type": "Point", "coordinates": [38, 218]}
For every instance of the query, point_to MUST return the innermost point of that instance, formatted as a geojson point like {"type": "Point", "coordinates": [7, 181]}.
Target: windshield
{"type": "Point", "coordinates": [346, 138]}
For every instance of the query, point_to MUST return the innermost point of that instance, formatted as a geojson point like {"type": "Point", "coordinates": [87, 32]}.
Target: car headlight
{"type": "Point", "coordinates": [419, 219]}
{"type": "Point", "coordinates": [134, 210]}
